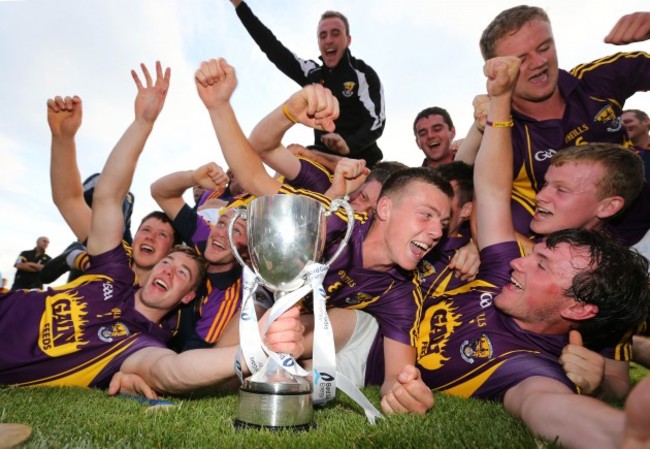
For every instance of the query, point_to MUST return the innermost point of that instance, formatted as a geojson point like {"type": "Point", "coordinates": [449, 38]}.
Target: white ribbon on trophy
{"type": "Point", "coordinates": [324, 353]}
{"type": "Point", "coordinates": [325, 378]}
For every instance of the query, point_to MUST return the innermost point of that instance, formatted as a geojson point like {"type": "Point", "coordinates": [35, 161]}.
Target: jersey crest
{"type": "Point", "coordinates": [480, 348]}
{"type": "Point", "coordinates": [608, 116]}
{"type": "Point", "coordinates": [348, 88]}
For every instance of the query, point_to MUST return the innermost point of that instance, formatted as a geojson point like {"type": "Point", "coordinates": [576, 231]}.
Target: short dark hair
{"type": "Point", "coordinates": [336, 15]}
{"type": "Point", "coordinates": [201, 263]}
{"type": "Point", "coordinates": [161, 216]}
{"type": "Point", "coordinates": [382, 170]}
{"type": "Point", "coordinates": [506, 22]}
{"type": "Point", "coordinates": [463, 174]}
{"type": "Point", "coordinates": [433, 110]}
{"type": "Point", "coordinates": [616, 280]}
{"type": "Point", "coordinates": [402, 178]}
{"type": "Point", "coordinates": [638, 113]}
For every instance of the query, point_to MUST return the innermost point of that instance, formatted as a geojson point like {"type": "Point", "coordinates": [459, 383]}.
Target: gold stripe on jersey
{"type": "Point", "coordinates": [227, 310]}
{"type": "Point", "coordinates": [327, 173]}
{"type": "Point", "coordinates": [607, 101]}
{"type": "Point", "coordinates": [82, 375]}
{"type": "Point", "coordinates": [469, 387]}
{"type": "Point", "coordinates": [239, 201]}
{"type": "Point", "coordinates": [81, 261]}
{"type": "Point", "coordinates": [82, 280]}
{"type": "Point", "coordinates": [581, 69]}
{"type": "Point", "coordinates": [418, 298]}
{"type": "Point", "coordinates": [324, 200]}
{"type": "Point", "coordinates": [623, 349]}
{"type": "Point", "coordinates": [214, 195]}
{"type": "Point", "coordinates": [525, 183]}
{"type": "Point", "coordinates": [466, 385]}
{"type": "Point", "coordinates": [366, 300]}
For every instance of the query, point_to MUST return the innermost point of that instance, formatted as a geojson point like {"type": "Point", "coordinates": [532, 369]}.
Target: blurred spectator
{"type": "Point", "coordinates": [29, 265]}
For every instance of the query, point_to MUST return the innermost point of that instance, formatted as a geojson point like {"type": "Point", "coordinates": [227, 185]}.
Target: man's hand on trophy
{"type": "Point", "coordinates": [285, 333]}
{"type": "Point", "coordinates": [313, 106]}
{"type": "Point", "coordinates": [215, 82]}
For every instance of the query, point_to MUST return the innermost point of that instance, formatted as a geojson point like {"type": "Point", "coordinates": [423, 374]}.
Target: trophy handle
{"type": "Point", "coordinates": [239, 212]}
{"type": "Point", "coordinates": [334, 206]}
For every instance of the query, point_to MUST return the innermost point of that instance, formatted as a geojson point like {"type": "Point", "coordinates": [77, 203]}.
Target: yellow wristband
{"type": "Point", "coordinates": [286, 113]}
{"type": "Point", "coordinates": [508, 124]}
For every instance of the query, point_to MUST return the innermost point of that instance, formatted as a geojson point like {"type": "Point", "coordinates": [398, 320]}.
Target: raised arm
{"type": "Point", "coordinates": [630, 28]}
{"type": "Point", "coordinates": [283, 58]}
{"type": "Point", "coordinates": [64, 118]}
{"type": "Point", "coordinates": [493, 170]}
{"type": "Point", "coordinates": [168, 190]}
{"type": "Point", "coordinates": [313, 106]}
{"type": "Point", "coordinates": [266, 139]}
{"type": "Point", "coordinates": [469, 146]}
{"type": "Point", "coordinates": [349, 175]}
{"type": "Point", "coordinates": [327, 160]}
{"type": "Point", "coordinates": [107, 220]}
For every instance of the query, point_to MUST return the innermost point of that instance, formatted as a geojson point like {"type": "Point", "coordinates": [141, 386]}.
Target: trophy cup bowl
{"type": "Point", "coordinates": [285, 234]}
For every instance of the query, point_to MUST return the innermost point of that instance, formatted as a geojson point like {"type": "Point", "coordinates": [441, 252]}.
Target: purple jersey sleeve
{"type": "Point", "coordinates": [393, 297]}
{"type": "Point", "coordinates": [312, 176]}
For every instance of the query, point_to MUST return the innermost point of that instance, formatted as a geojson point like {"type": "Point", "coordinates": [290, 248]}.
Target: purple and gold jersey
{"type": "Point", "coordinates": [83, 259]}
{"type": "Point", "coordinates": [219, 304]}
{"type": "Point", "coordinates": [595, 94]}
{"type": "Point", "coordinates": [467, 347]}
{"type": "Point", "coordinates": [393, 297]}
{"type": "Point", "coordinates": [217, 299]}
{"type": "Point", "coordinates": [76, 334]}
{"type": "Point", "coordinates": [312, 176]}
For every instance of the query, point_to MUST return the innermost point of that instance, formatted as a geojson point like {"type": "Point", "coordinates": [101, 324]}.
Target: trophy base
{"type": "Point", "coordinates": [275, 406]}
{"type": "Point", "coordinates": [241, 425]}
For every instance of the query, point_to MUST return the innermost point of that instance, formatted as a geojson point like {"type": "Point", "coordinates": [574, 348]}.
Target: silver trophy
{"type": "Point", "coordinates": [285, 234]}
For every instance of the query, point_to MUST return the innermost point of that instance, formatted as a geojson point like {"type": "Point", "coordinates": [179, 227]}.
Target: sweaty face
{"type": "Point", "coordinates": [151, 242]}
{"type": "Point", "coordinates": [332, 40]}
{"type": "Point", "coordinates": [533, 44]}
{"type": "Point", "coordinates": [434, 137]}
{"type": "Point", "coordinates": [569, 198]}
{"type": "Point", "coordinates": [217, 250]}
{"type": "Point", "coordinates": [535, 295]}
{"type": "Point", "coordinates": [171, 279]}
{"type": "Point", "coordinates": [635, 128]}
{"type": "Point", "coordinates": [416, 220]}
{"type": "Point", "coordinates": [364, 199]}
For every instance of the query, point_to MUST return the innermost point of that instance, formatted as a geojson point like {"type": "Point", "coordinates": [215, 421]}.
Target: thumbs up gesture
{"type": "Point", "coordinates": [584, 367]}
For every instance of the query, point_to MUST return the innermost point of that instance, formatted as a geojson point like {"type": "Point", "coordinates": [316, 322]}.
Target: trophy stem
{"type": "Point", "coordinates": [273, 372]}
{"type": "Point", "coordinates": [276, 400]}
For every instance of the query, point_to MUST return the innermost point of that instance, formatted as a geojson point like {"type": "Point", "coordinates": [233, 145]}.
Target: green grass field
{"type": "Point", "coordinates": [78, 418]}
{"type": "Point", "coordinates": [82, 418]}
